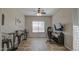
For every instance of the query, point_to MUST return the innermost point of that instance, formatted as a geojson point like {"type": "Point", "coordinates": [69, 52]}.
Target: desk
{"type": "Point", "coordinates": [58, 37]}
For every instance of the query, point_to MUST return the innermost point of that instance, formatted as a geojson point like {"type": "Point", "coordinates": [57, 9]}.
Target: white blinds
{"type": "Point", "coordinates": [38, 26]}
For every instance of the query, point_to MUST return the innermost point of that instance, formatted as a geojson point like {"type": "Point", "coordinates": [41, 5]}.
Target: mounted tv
{"type": "Point", "coordinates": [58, 27]}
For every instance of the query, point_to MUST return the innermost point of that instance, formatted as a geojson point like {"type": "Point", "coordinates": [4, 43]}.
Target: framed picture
{"type": "Point", "coordinates": [3, 19]}
{"type": "Point", "coordinates": [17, 21]}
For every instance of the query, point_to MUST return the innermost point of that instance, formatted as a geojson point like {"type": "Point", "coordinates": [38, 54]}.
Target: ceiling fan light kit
{"type": "Point", "coordinates": [40, 12]}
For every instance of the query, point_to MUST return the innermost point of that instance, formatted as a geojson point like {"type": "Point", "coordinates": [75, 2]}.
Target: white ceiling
{"type": "Point", "coordinates": [31, 11]}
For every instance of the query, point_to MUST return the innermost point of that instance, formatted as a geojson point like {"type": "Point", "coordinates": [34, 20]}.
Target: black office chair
{"type": "Point", "coordinates": [49, 33]}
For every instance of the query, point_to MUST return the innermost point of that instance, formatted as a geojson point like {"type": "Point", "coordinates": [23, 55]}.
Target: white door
{"type": "Point", "coordinates": [76, 29]}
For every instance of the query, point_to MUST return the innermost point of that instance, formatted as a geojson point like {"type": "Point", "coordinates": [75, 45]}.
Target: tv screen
{"type": "Point", "coordinates": [58, 27]}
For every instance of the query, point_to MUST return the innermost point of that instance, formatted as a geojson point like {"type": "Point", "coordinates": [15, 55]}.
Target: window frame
{"type": "Point", "coordinates": [39, 30]}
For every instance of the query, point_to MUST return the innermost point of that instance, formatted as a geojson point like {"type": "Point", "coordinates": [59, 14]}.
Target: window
{"type": "Point", "coordinates": [38, 26]}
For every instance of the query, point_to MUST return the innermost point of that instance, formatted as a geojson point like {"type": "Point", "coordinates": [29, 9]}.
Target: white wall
{"type": "Point", "coordinates": [9, 22]}
{"type": "Point", "coordinates": [64, 16]}
{"type": "Point", "coordinates": [28, 22]}
{"type": "Point", "coordinates": [10, 17]}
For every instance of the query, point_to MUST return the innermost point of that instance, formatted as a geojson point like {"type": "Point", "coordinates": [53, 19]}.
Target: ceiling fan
{"type": "Point", "coordinates": [40, 12]}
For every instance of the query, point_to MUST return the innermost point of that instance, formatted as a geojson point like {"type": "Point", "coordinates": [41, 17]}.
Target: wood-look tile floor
{"type": "Point", "coordinates": [39, 44]}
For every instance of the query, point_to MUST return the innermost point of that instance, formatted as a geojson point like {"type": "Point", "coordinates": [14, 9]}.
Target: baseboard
{"type": "Point", "coordinates": [68, 48]}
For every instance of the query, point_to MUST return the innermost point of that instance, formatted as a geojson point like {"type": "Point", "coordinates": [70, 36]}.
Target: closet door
{"type": "Point", "coordinates": [76, 29]}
